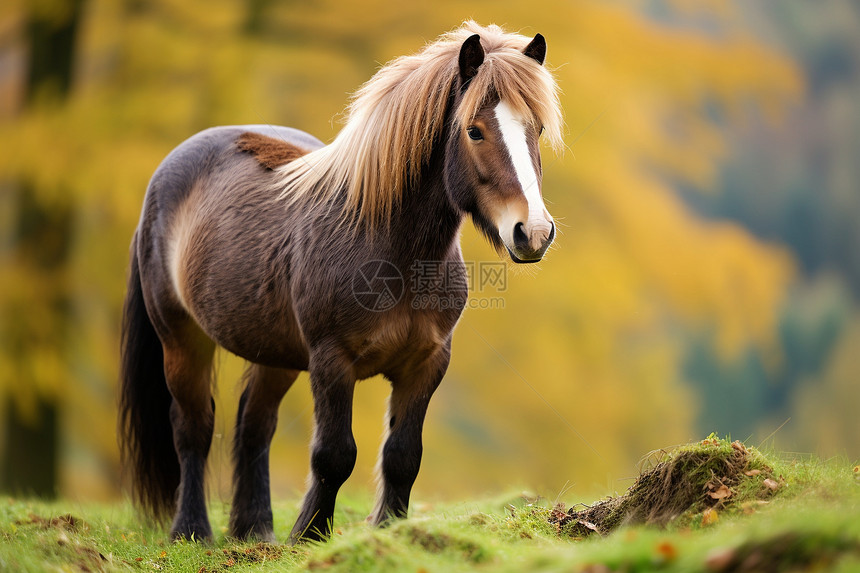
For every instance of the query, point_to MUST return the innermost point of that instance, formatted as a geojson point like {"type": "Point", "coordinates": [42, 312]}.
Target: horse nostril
{"type": "Point", "coordinates": [521, 240]}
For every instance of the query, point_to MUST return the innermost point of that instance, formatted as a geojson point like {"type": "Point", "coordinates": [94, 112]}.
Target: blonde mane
{"type": "Point", "coordinates": [395, 118]}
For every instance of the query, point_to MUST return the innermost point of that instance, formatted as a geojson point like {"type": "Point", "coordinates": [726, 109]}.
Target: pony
{"type": "Point", "coordinates": [295, 255]}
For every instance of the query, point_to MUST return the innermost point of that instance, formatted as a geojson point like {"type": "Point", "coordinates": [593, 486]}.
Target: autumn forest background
{"type": "Point", "coordinates": [706, 277]}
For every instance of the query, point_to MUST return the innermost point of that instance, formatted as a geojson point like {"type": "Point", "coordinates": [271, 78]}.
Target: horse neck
{"type": "Point", "coordinates": [427, 225]}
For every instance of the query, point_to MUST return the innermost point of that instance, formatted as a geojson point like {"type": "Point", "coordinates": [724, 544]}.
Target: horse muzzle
{"type": "Point", "coordinates": [530, 240]}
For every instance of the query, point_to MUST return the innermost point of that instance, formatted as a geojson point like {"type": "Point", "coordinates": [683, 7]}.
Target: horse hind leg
{"type": "Point", "coordinates": [251, 514]}
{"type": "Point", "coordinates": [188, 371]}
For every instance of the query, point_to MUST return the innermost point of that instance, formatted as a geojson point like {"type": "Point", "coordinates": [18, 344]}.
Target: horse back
{"type": "Point", "coordinates": [212, 241]}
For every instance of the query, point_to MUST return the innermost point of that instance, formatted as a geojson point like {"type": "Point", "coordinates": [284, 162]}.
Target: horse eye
{"type": "Point", "coordinates": [475, 133]}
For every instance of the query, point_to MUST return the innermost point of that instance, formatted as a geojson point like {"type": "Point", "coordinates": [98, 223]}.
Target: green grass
{"type": "Point", "coordinates": [812, 522]}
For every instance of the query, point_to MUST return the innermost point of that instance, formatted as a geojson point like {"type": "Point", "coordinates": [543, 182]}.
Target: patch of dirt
{"type": "Point", "coordinates": [696, 479]}
{"type": "Point", "coordinates": [255, 554]}
{"type": "Point", "coordinates": [434, 542]}
{"type": "Point", "coordinates": [259, 553]}
{"type": "Point", "coordinates": [90, 559]}
{"type": "Point", "coordinates": [81, 557]}
{"type": "Point", "coordinates": [68, 522]}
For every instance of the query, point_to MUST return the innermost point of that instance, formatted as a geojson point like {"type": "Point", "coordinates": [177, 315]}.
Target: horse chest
{"type": "Point", "coordinates": [399, 341]}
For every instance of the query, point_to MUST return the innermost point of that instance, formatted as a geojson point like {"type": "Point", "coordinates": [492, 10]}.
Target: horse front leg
{"type": "Point", "coordinates": [333, 449]}
{"type": "Point", "coordinates": [400, 457]}
{"type": "Point", "coordinates": [251, 514]}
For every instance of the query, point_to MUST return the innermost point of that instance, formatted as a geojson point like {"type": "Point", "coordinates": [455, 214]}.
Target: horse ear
{"type": "Point", "coordinates": [471, 58]}
{"type": "Point", "coordinates": [536, 49]}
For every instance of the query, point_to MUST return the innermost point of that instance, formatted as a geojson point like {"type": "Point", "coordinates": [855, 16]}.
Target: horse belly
{"type": "Point", "coordinates": [255, 326]}
{"type": "Point", "coordinates": [269, 347]}
{"type": "Point", "coordinates": [239, 298]}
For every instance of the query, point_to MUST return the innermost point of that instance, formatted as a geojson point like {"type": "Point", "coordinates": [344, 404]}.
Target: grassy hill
{"type": "Point", "coordinates": [710, 506]}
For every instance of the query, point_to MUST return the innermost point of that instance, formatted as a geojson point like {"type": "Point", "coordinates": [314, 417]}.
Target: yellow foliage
{"type": "Point", "coordinates": [579, 372]}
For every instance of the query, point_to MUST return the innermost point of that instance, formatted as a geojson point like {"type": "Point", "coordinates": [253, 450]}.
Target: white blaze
{"type": "Point", "coordinates": [513, 131]}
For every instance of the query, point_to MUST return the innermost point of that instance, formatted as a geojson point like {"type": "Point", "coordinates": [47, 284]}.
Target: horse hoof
{"type": "Point", "coordinates": [254, 530]}
{"type": "Point", "coordinates": [196, 535]}
{"type": "Point", "coordinates": [262, 537]}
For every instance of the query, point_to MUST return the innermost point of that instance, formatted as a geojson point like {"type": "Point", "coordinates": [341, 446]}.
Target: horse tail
{"type": "Point", "coordinates": [145, 430]}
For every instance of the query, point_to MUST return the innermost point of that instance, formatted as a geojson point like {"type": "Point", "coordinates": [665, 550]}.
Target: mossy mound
{"type": "Point", "coordinates": [686, 481]}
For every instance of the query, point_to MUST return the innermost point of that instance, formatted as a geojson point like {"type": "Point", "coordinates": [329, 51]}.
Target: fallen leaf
{"type": "Point", "coordinates": [558, 513]}
{"type": "Point", "coordinates": [751, 473]}
{"type": "Point", "coordinates": [667, 551]}
{"type": "Point", "coordinates": [710, 516]}
{"type": "Point", "coordinates": [588, 525]}
{"type": "Point", "coordinates": [722, 492]}
{"type": "Point", "coordinates": [771, 485]}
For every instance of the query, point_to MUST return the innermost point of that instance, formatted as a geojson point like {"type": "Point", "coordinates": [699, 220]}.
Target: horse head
{"type": "Point", "coordinates": [493, 167]}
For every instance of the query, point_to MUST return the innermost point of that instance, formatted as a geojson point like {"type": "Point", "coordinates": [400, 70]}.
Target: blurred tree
{"type": "Point", "coordinates": [797, 183]}
{"type": "Point", "coordinates": [746, 397]}
{"type": "Point", "coordinates": [41, 240]}
{"type": "Point", "coordinates": [829, 404]}
{"type": "Point", "coordinates": [580, 372]}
